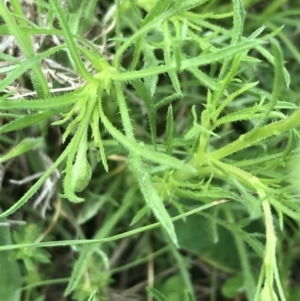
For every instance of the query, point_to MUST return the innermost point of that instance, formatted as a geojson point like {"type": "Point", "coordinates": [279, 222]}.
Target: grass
{"type": "Point", "coordinates": [149, 150]}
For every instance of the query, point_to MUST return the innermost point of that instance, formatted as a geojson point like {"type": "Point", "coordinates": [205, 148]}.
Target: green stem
{"type": "Point", "coordinates": [108, 239]}
{"type": "Point", "coordinates": [270, 263]}
{"type": "Point", "coordinates": [124, 112]}
{"type": "Point", "coordinates": [249, 283]}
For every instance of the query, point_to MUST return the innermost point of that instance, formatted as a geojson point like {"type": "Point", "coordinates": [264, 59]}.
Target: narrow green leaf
{"type": "Point", "coordinates": [37, 86]}
{"type": "Point", "coordinates": [57, 5]}
{"type": "Point", "coordinates": [137, 52]}
{"type": "Point", "coordinates": [159, 7]}
{"type": "Point", "coordinates": [29, 63]}
{"type": "Point", "coordinates": [206, 195]}
{"type": "Point", "coordinates": [167, 100]}
{"type": "Point", "coordinates": [244, 114]}
{"type": "Point", "coordinates": [97, 137]}
{"type": "Point", "coordinates": [252, 203]}
{"type": "Point", "coordinates": [237, 31]}
{"type": "Point", "coordinates": [55, 103]}
{"type": "Point", "coordinates": [238, 21]}
{"type": "Point", "coordinates": [118, 25]}
{"type": "Point", "coordinates": [291, 145]}
{"type": "Point", "coordinates": [25, 30]}
{"type": "Point", "coordinates": [156, 294]}
{"type": "Point", "coordinates": [150, 61]}
{"type": "Point", "coordinates": [144, 93]}
{"type": "Point", "coordinates": [204, 79]}
{"type": "Point", "coordinates": [34, 188]}
{"type": "Point", "coordinates": [233, 286]}
{"type": "Point", "coordinates": [278, 81]}
{"type": "Point", "coordinates": [188, 296]}
{"type": "Point", "coordinates": [8, 115]}
{"type": "Point", "coordinates": [187, 4]}
{"type": "Point", "coordinates": [139, 215]}
{"type": "Point", "coordinates": [168, 58]}
{"type": "Point", "coordinates": [135, 9]}
{"type": "Point", "coordinates": [25, 44]}
{"type": "Point", "coordinates": [24, 146]}
{"type": "Point", "coordinates": [286, 105]}
{"type": "Point", "coordinates": [178, 56]}
{"type": "Point", "coordinates": [152, 199]}
{"type": "Point", "coordinates": [92, 296]}
{"type": "Point", "coordinates": [290, 209]}
{"type": "Point", "coordinates": [227, 79]}
{"type": "Point", "coordinates": [89, 13]}
{"type": "Point", "coordinates": [257, 32]}
{"type": "Point", "coordinates": [170, 130]}
{"type": "Point", "coordinates": [78, 270]}
{"type": "Point", "coordinates": [6, 57]}
{"type": "Point", "coordinates": [196, 130]}
{"type": "Point", "coordinates": [270, 58]}
{"type": "Point", "coordinates": [92, 207]}
{"type": "Point", "coordinates": [25, 121]}
{"type": "Point", "coordinates": [8, 69]}
{"type": "Point", "coordinates": [234, 95]}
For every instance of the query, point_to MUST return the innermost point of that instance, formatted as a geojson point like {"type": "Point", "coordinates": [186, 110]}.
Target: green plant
{"type": "Point", "coordinates": [177, 56]}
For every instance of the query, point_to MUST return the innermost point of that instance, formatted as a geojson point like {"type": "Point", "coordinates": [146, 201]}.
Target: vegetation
{"type": "Point", "coordinates": [149, 150]}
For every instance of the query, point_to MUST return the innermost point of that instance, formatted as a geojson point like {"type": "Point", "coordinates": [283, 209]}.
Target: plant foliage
{"type": "Point", "coordinates": [178, 109]}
